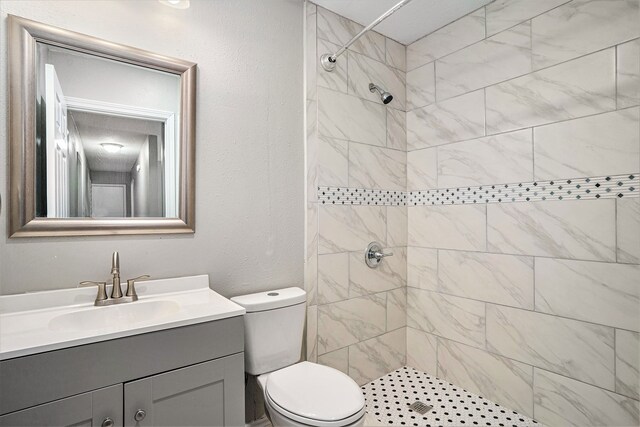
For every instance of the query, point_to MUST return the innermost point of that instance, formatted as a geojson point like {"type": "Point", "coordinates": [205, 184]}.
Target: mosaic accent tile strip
{"type": "Point", "coordinates": [601, 187]}
{"type": "Point", "coordinates": [389, 397]}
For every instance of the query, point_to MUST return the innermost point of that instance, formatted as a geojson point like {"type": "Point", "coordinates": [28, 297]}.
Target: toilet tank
{"type": "Point", "coordinates": [273, 328]}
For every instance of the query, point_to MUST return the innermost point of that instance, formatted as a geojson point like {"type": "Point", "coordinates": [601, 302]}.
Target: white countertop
{"type": "Point", "coordinates": [37, 322]}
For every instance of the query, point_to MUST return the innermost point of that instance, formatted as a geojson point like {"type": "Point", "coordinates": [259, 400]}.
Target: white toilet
{"type": "Point", "coordinates": [295, 394]}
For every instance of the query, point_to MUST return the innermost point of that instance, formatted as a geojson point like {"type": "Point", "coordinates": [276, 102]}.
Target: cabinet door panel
{"type": "Point", "coordinates": [206, 394]}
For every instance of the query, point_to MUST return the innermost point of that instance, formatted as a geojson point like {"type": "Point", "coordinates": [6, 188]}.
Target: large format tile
{"type": "Point", "coordinates": [364, 70]}
{"type": "Point", "coordinates": [396, 226]}
{"type": "Point", "coordinates": [377, 167]}
{"type": "Point", "coordinates": [422, 169]}
{"type": "Point", "coordinates": [348, 117]}
{"type": "Point", "coordinates": [561, 401]}
{"type": "Point", "coordinates": [502, 380]}
{"type": "Point", "coordinates": [396, 129]}
{"type": "Point", "coordinates": [501, 279]}
{"type": "Point", "coordinates": [333, 277]}
{"type": "Point", "coordinates": [582, 26]}
{"type": "Point", "coordinates": [579, 229]}
{"type": "Point", "coordinates": [373, 358]}
{"type": "Point", "coordinates": [505, 158]}
{"type": "Point", "coordinates": [421, 86]}
{"type": "Point", "coordinates": [577, 88]}
{"type": "Point", "coordinates": [628, 230]}
{"type": "Point", "coordinates": [422, 268]}
{"type": "Point", "coordinates": [340, 30]}
{"type": "Point", "coordinates": [396, 308]}
{"type": "Point", "coordinates": [459, 319]}
{"type": "Point", "coordinates": [422, 351]}
{"type": "Point", "coordinates": [451, 227]}
{"type": "Point", "coordinates": [498, 58]}
{"type": "Point", "coordinates": [628, 74]}
{"type": "Point", "coordinates": [458, 34]}
{"type": "Point", "coordinates": [312, 147]}
{"type": "Point", "coordinates": [336, 79]}
{"type": "Point", "coordinates": [605, 144]}
{"type": "Point", "coordinates": [390, 274]}
{"type": "Point", "coordinates": [333, 162]}
{"type": "Point", "coordinates": [579, 350]}
{"type": "Point", "coordinates": [628, 363]}
{"type": "Point", "coordinates": [455, 119]}
{"type": "Point", "coordinates": [311, 254]}
{"type": "Point", "coordinates": [396, 54]}
{"type": "Point", "coordinates": [311, 55]}
{"type": "Point", "coordinates": [503, 14]}
{"type": "Point", "coordinates": [338, 359]}
{"type": "Point", "coordinates": [312, 333]}
{"type": "Point", "coordinates": [604, 293]}
{"type": "Point", "coordinates": [347, 322]}
{"type": "Point", "coordinates": [350, 228]}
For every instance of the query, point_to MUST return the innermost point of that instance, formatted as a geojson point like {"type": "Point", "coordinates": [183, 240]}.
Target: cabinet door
{"type": "Point", "coordinates": [206, 394]}
{"type": "Point", "coordinates": [95, 409]}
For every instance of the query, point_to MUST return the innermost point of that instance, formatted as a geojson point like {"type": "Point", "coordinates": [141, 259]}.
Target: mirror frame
{"type": "Point", "coordinates": [23, 34]}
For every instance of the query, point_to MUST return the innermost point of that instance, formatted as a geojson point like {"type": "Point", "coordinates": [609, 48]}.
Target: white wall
{"type": "Point", "coordinates": [249, 198]}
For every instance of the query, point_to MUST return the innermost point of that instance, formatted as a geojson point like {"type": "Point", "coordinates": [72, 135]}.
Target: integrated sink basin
{"type": "Point", "coordinates": [44, 321]}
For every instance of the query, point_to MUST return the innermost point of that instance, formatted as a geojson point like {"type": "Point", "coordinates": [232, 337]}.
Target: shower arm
{"type": "Point", "coordinates": [328, 61]}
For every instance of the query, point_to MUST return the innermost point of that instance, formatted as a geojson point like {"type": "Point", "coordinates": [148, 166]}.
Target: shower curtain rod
{"type": "Point", "coordinates": [328, 61]}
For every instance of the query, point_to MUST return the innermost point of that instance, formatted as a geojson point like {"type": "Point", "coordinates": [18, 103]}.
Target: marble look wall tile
{"type": "Point", "coordinates": [338, 359]}
{"type": "Point", "coordinates": [333, 277]}
{"type": "Point", "coordinates": [503, 56]}
{"type": "Point", "coordinates": [450, 227]}
{"type": "Point", "coordinates": [422, 169]}
{"type": "Point", "coordinates": [578, 229]}
{"type": "Point", "coordinates": [421, 86]}
{"type": "Point", "coordinates": [312, 333]}
{"type": "Point", "coordinates": [396, 129]}
{"type": "Point", "coordinates": [458, 34]}
{"type": "Point", "coordinates": [504, 381]}
{"type": "Point", "coordinates": [422, 268]}
{"type": "Point", "coordinates": [333, 162]}
{"type": "Point", "coordinates": [350, 228]}
{"type": "Point", "coordinates": [378, 356]}
{"type": "Point", "coordinates": [579, 350]}
{"type": "Point", "coordinates": [628, 363]}
{"type": "Point", "coordinates": [376, 167]}
{"type": "Point", "coordinates": [577, 88]}
{"type": "Point", "coordinates": [422, 351]}
{"type": "Point", "coordinates": [396, 54]}
{"type": "Point", "coordinates": [364, 70]}
{"type": "Point", "coordinates": [501, 279]}
{"type": "Point", "coordinates": [503, 14]}
{"type": "Point", "coordinates": [311, 55]}
{"type": "Point", "coordinates": [347, 322]}
{"type": "Point", "coordinates": [561, 401]}
{"type": "Point", "coordinates": [603, 293]}
{"type": "Point", "coordinates": [582, 26]}
{"type": "Point", "coordinates": [336, 79]}
{"type": "Point", "coordinates": [605, 144]}
{"type": "Point", "coordinates": [459, 319]}
{"type": "Point", "coordinates": [311, 254]}
{"type": "Point", "coordinates": [390, 274]}
{"type": "Point", "coordinates": [396, 309]}
{"type": "Point", "coordinates": [339, 30]}
{"type": "Point", "coordinates": [628, 72]}
{"type": "Point", "coordinates": [455, 119]}
{"type": "Point", "coordinates": [348, 117]}
{"type": "Point", "coordinates": [628, 230]}
{"type": "Point", "coordinates": [396, 226]}
{"type": "Point", "coordinates": [312, 145]}
{"type": "Point", "coordinates": [494, 159]}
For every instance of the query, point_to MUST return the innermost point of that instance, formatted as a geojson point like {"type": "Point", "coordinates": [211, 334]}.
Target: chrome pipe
{"type": "Point", "coordinates": [328, 61]}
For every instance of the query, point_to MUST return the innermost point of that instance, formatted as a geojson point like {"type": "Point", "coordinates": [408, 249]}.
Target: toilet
{"type": "Point", "coordinates": [295, 393]}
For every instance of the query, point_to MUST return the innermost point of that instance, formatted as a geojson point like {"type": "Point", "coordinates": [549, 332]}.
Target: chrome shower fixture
{"type": "Point", "coordinates": [385, 96]}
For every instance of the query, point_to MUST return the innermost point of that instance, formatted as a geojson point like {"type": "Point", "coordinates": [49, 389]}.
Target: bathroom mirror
{"type": "Point", "coordinates": [101, 136]}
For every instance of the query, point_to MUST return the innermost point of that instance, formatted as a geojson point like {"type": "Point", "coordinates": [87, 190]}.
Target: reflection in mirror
{"type": "Point", "coordinates": [106, 137]}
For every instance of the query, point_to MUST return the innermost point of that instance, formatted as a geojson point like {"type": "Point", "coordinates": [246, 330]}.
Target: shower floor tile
{"type": "Point", "coordinates": [388, 398]}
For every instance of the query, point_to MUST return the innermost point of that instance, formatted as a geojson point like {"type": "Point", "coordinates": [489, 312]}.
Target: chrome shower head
{"type": "Point", "coordinates": [385, 96]}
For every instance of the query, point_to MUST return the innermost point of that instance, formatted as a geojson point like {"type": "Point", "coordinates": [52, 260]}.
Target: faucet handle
{"type": "Point", "coordinates": [131, 286]}
{"type": "Point", "coordinates": [102, 288]}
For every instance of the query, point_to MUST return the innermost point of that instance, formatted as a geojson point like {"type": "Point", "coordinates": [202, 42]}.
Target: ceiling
{"type": "Point", "coordinates": [411, 22]}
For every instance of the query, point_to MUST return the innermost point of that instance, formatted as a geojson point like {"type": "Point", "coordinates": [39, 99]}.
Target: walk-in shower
{"type": "Point", "coordinates": [385, 96]}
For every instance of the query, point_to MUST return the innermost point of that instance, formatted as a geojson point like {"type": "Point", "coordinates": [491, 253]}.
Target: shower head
{"type": "Point", "coordinates": [385, 96]}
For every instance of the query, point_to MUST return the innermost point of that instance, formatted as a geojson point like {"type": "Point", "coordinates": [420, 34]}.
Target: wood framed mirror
{"type": "Point", "coordinates": [102, 136]}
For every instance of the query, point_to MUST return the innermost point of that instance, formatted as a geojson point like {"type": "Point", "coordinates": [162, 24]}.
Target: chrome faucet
{"type": "Point", "coordinates": [116, 292]}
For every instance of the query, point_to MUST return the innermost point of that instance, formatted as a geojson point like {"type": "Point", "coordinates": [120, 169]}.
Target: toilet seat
{"type": "Point", "coordinates": [314, 395]}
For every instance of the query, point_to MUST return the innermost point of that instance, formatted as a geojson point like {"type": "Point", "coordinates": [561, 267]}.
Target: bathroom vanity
{"type": "Point", "coordinates": [180, 363]}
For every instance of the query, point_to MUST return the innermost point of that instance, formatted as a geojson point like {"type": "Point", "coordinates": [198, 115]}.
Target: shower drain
{"type": "Point", "coordinates": [420, 407]}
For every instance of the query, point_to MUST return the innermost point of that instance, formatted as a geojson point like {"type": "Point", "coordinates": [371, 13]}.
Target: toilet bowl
{"type": "Point", "coordinates": [295, 393]}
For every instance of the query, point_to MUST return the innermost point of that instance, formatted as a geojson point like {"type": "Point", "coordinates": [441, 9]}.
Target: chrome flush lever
{"type": "Point", "coordinates": [373, 256]}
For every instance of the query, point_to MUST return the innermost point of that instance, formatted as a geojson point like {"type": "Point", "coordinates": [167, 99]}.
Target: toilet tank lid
{"type": "Point", "coordinates": [270, 300]}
